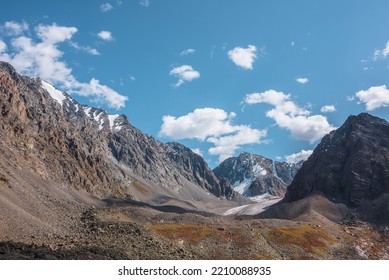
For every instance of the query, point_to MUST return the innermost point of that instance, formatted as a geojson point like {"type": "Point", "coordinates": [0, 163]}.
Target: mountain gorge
{"type": "Point", "coordinates": [79, 183]}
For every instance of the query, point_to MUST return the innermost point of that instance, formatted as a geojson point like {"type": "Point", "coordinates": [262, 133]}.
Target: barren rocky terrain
{"type": "Point", "coordinates": [77, 183]}
{"type": "Point", "coordinates": [134, 232]}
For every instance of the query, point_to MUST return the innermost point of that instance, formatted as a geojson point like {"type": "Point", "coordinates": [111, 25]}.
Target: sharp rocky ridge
{"type": "Point", "coordinates": [90, 150]}
{"type": "Point", "coordinates": [257, 177]}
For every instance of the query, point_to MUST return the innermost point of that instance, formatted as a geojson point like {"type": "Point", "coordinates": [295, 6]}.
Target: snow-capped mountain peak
{"type": "Point", "coordinates": [256, 176]}
{"type": "Point", "coordinates": [98, 116]}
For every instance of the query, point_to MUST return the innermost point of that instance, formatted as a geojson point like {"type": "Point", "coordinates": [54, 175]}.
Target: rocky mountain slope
{"type": "Point", "coordinates": [96, 155]}
{"type": "Point", "coordinates": [253, 175]}
{"type": "Point", "coordinates": [348, 173]}
{"type": "Point", "coordinates": [195, 169]}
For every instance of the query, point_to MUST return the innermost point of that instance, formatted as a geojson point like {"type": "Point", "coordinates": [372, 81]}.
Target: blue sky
{"type": "Point", "coordinates": [222, 77]}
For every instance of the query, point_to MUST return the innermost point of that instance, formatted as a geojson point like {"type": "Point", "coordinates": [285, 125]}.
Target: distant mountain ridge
{"type": "Point", "coordinates": [253, 175]}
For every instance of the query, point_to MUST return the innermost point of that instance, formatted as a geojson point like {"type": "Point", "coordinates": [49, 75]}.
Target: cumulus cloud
{"type": "Point", "coordinates": [187, 52]}
{"type": "Point", "coordinates": [43, 58]}
{"type": "Point", "coordinates": [226, 146]}
{"type": "Point", "coordinates": [382, 53]}
{"type": "Point", "coordinates": [106, 7]}
{"type": "Point", "coordinates": [271, 97]}
{"type": "Point", "coordinates": [3, 46]}
{"type": "Point", "coordinates": [14, 28]}
{"type": "Point", "coordinates": [214, 126]}
{"type": "Point", "coordinates": [374, 97]}
{"type": "Point", "coordinates": [105, 35]}
{"type": "Point", "coordinates": [302, 80]}
{"type": "Point", "coordinates": [199, 124]}
{"type": "Point", "coordinates": [243, 57]}
{"type": "Point", "coordinates": [197, 151]}
{"type": "Point", "coordinates": [290, 116]}
{"type": "Point", "coordinates": [54, 34]}
{"type": "Point", "coordinates": [145, 3]}
{"type": "Point", "coordinates": [328, 109]}
{"type": "Point", "coordinates": [184, 73]}
{"type": "Point", "coordinates": [297, 157]}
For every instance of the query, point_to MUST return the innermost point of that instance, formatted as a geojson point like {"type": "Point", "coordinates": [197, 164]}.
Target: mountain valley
{"type": "Point", "coordinates": [79, 183]}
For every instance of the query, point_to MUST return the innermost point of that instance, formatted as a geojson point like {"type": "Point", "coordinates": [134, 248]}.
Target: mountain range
{"type": "Point", "coordinates": [87, 149]}
{"type": "Point", "coordinates": [77, 182]}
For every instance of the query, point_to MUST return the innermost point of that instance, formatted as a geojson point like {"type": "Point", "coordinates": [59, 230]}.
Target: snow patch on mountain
{"type": "Point", "coordinates": [113, 123]}
{"type": "Point", "coordinates": [242, 186]}
{"type": "Point", "coordinates": [252, 209]}
{"type": "Point", "coordinates": [54, 93]}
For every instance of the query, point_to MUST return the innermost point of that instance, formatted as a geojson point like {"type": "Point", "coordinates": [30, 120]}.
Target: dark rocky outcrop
{"type": "Point", "coordinates": [350, 166]}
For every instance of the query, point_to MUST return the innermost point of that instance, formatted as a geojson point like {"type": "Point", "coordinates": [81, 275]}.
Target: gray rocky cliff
{"type": "Point", "coordinates": [88, 149]}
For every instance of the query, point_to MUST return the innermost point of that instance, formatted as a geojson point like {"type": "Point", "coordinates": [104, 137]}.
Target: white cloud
{"type": "Point", "coordinates": [214, 126]}
{"type": "Point", "coordinates": [3, 46]}
{"type": "Point", "coordinates": [100, 93]}
{"type": "Point", "coordinates": [328, 109]}
{"type": "Point", "coordinates": [374, 97]}
{"type": "Point", "coordinates": [290, 116]}
{"type": "Point", "coordinates": [45, 59]}
{"type": "Point", "coordinates": [243, 57]}
{"type": "Point", "coordinates": [382, 53]}
{"type": "Point", "coordinates": [297, 157]}
{"type": "Point", "coordinates": [272, 97]}
{"type": "Point", "coordinates": [302, 80]}
{"type": "Point", "coordinates": [184, 73]}
{"type": "Point", "coordinates": [86, 49]}
{"type": "Point", "coordinates": [292, 44]}
{"type": "Point", "coordinates": [226, 146]}
{"type": "Point", "coordinates": [14, 28]}
{"type": "Point", "coordinates": [197, 151]}
{"type": "Point", "coordinates": [106, 7]}
{"type": "Point", "coordinates": [105, 35]}
{"type": "Point", "coordinates": [54, 34]}
{"type": "Point", "coordinates": [145, 3]}
{"type": "Point", "coordinates": [199, 124]}
{"type": "Point", "coordinates": [187, 52]}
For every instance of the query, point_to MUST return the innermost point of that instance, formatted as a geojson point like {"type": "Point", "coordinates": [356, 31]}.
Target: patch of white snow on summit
{"type": "Point", "coordinates": [112, 119]}
{"type": "Point", "coordinates": [87, 111]}
{"type": "Point", "coordinates": [54, 93]}
{"type": "Point", "coordinates": [98, 118]}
